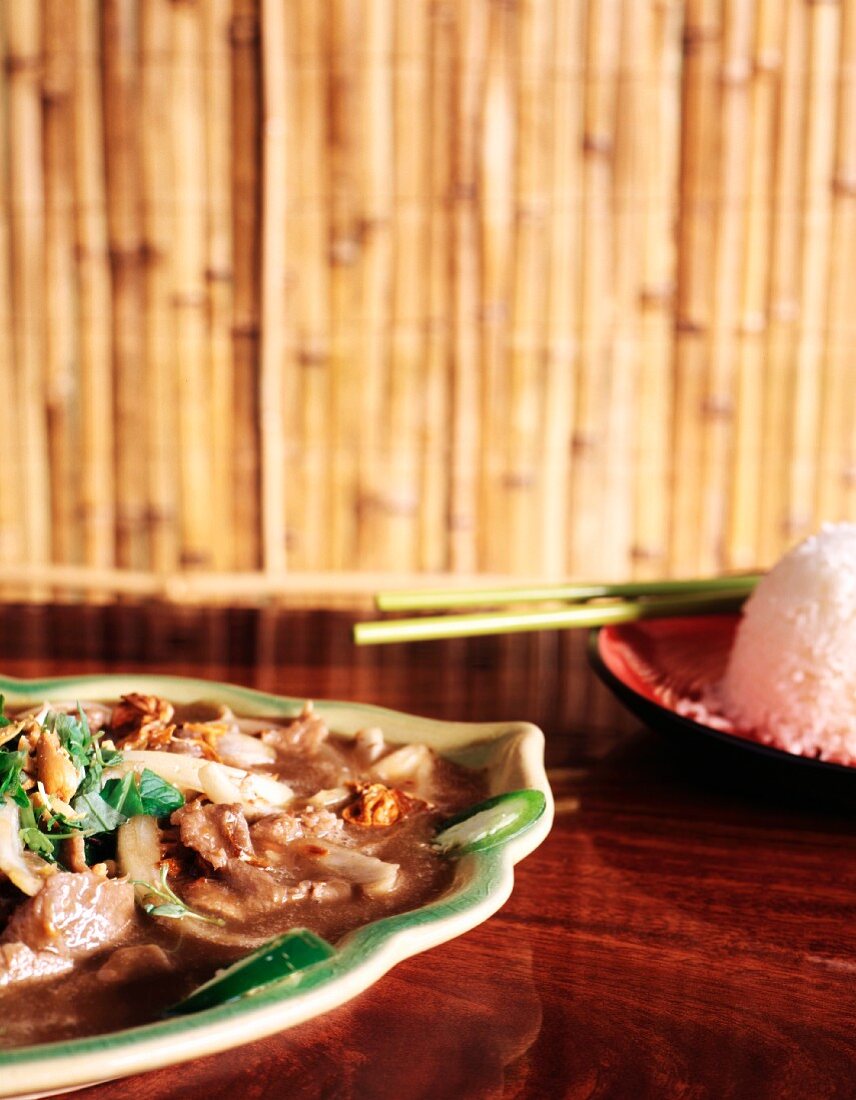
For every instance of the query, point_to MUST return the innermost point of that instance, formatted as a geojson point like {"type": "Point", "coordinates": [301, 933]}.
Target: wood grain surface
{"type": "Point", "coordinates": [683, 931]}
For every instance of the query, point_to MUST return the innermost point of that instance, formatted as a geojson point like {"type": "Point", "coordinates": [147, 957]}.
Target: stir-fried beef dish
{"type": "Point", "coordinates": [146, 845]}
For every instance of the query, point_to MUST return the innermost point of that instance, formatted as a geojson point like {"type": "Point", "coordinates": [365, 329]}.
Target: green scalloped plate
{"type": "Point", "coordinates": [512, 754]}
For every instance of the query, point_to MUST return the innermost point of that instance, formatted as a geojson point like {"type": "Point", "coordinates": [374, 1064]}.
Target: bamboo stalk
{"type": "Point", "coordinates": [435, 450]}
{"type": "Point", "coordinates": [742, 540]}
{"type": "Point", "coordinates": [408, 305]}
{"type": "Point", "coordinates": [432, 628]}
{"type": "Point", "coordinates": [496, 159]}
{"type": "Point", "coordinates": [698, 174]}
{"type": "Point", "coordinates": [159, 227]}
{"type": "Point", "coordinates": [294, 503]}
{"type": "Point", "coordinates": [631, 139]}
{"type": "Point", "coordinates": [246, 231]}
{"type": "Point", "coordinates": [523, 480]}
{"type": "Point", "coordinates": [313, 294]}
{"type": "Point", "coordinates": [189, 300]}
{"type": "Point", "coordinates": [11, 495]}
{"type": "Point", "coordinates": [729, 231]}
{"type": "Point", "coordinates": [563, 289]}
{"type": "Point", "coordinates": [463, 519]}
{"type": "Point", "coordinates": [59, 290]}
{"type": "Point", "coordinates": [836, 474]}
{"type": "Point", "coordinates": [26, 198]}
{"type": "Point", "coordinates": [653, 396]}
{"type": "Point", "coordinates": [816, 221]}
{"type": "Point", "coordinates": [95, 471]}
{"type": "Point", "coordinates": [121, 129]}
{"type": "Point", "coordinates": [216, 15]}
{"type": "Point", "coordinates": [371, 163]}
{"type": "Point", "coordinates": [345, 256]}
{"type": "Point", "coordinates": [590, 458]}
{"type": "Point", "coordinates": [272, 344]}
{"type": "Point", "coordinates": [783, 289]}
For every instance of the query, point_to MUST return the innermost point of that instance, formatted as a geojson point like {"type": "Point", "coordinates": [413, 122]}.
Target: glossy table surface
{"type": "Point", "coordinates": [683, 932]}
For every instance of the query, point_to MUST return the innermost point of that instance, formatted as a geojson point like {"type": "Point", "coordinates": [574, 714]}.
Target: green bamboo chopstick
{"type": "Point", "coordinates": [440, 599]}
{"type": "Point", "coordinates": [516, 622]}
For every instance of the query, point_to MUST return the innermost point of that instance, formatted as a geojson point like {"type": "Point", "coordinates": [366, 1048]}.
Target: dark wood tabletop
{"type": "Point", "coordinates": [685, 931]}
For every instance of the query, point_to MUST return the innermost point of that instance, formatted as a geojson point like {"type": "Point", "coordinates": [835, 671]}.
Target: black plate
{"type": "Point", "coordinates": [650, 665]}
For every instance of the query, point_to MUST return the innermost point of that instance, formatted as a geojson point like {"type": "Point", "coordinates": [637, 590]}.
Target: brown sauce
{"type": "Point", "coordinates": [81, 1002]}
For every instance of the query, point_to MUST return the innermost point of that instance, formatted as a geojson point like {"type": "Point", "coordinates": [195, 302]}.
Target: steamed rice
{"type": "Point", "coordinates": [791, 675]}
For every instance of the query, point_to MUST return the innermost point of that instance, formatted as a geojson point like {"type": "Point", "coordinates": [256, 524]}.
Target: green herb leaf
{"type": "Point", "coordinates": [74, 736]}
{"type": "Point", "coordinates": [30, 833]}
{"type": "Point", "coordinates": [10, 771]}
{"type": "Point", "coordinates": [159, 798]}
{"type": "Point", "coordinates": [143, 793]}
{"type": "Point", "coordinates": [4, 721]}
{"type": "Point", "coordinates": [38, 842]}
{"type": "Point", "coordinates": [173, 906]}
{"type": "Point", "coordinates": [124, 795]}
{"type": "Point", "coordinates": [98, 815]}
{"type": "Point", "coordinates": [175, 912]}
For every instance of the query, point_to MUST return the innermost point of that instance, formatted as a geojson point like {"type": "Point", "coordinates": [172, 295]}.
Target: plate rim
{"type": "Point", "coordinates": [483, 882]}
{"type": "Point", "coordinates": [646, 709]}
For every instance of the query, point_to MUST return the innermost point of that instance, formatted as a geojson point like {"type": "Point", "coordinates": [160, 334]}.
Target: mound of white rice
{"type": "Point", "coordinates": [791, 675]}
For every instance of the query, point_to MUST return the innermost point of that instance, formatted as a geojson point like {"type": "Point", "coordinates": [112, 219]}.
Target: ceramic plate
{"type": "Point", "coordinates": [660, 668]}
{"type": "Point", "coordinates": [511, 753]}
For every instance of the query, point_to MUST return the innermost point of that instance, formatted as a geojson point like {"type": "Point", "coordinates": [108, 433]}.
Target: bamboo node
{"type": "Point", "coordinates": [344, 251]}
{"type": "Point", "coordinates": [313, 357]}
{"type": "Point", "coordinates": [687, 326]}
{"type": "Point", "coordinates": [159, 515]}
{"type": "Point", "coordinates": [194, 559]}
{"type": "Point", "coordinates": [696, 38]}
{"type": "Point", "coordinates": [244, 30]}
{"type": "Point", "coordinates": [464, 191]}
{"type": "Point", "coordinates": [598, 145]}
{"type": "Point", "coordinates": [657, 295]}
{"type": "Point", "coordinates": [844, 185]}
{"type": "Point", "coordinates": [532, 213]}
{"type": "Point", "coordinates": [245, 330]}
{"type": "Point", "coordinates": [54, 95]}
{"type": "Point", "coordinates": [22, 63]}
{"type": "Point", "coordinates": [218, 275]}
{"type": "Point", "coordinates": [441, 11]}
{"type": "Point", "coordinates": [403, 503]}
{"type": "Point", "coordinates": [519, 479]}
{"type": "Point", "coordinates": [795, 524]}
{"type": "Point", "coordinates": [125, 258]}
{"type": "Point", "coordinates": [151, 254]}
{"type": "Point", "coordinates": [642, 553]}
{"type": "Point", "coordinates": [460, 521]}
{"type": "Point", "coordinates": [718, 407]}
{"type": "Point", "coordinates": [848, 475]}
{"type": "Point", "coordinates": [584, 443]}
{"type": "Point", "coordinates": [131, 518]}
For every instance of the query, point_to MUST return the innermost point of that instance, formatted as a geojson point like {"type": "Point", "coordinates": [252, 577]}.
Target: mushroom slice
{"type": "Point", "coordinates": [372, 874]}
{"type": "Point", "coordinates": [25, 869]}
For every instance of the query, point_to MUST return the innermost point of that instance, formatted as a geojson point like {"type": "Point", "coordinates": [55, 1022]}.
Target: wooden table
{"type": "Point", "coordinates": [677, 935]}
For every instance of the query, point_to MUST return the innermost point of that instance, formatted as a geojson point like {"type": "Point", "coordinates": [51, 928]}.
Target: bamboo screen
{"type": "Point", "coordinates": [338, 287]}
